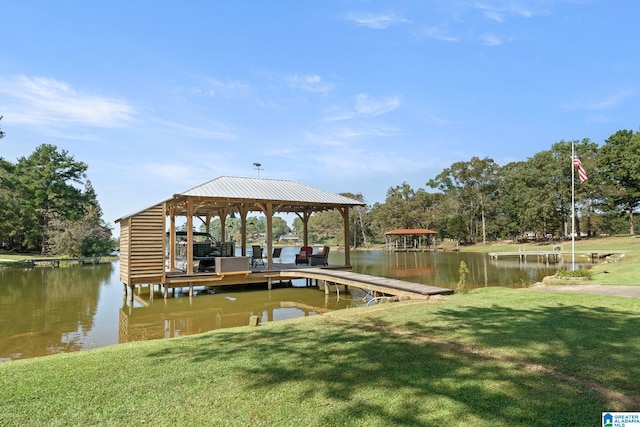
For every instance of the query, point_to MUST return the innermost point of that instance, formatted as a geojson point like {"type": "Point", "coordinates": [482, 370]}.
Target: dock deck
{"type": "Point", "coordinates": [332, 275]}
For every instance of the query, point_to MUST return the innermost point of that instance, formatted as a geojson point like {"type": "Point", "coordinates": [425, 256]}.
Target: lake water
{"type": "Point", "coordinates": [46, 311]}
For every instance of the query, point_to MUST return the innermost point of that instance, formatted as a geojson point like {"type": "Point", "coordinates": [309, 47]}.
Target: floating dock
{"type": "Point", "coordinates": [55, 262]}
{"type": "Point", "coordinates": [555, 256]}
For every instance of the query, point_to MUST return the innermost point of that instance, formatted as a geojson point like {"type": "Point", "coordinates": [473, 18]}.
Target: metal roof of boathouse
{"type": "Point", "coordinates": [232, 187]}
{"type": "Point", "coordinates": [225, 191]}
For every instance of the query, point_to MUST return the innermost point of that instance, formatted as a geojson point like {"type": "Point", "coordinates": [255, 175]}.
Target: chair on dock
{"type": "Point", "coordinates": [276, 254]}
{"type": "Point", "coordinates": [321, 257]}
{"type": "Point", "coordinates": [303, 256]}
{"type": "Point", "coordinates": [256, 256]}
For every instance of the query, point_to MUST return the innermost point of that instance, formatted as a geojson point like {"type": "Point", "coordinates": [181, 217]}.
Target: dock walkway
{"type": "Point", "coordinates": [384, 285]}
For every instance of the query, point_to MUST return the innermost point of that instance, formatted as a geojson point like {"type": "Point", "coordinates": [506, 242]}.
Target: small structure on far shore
{"type": "Point", "coordinates": [410, 240]}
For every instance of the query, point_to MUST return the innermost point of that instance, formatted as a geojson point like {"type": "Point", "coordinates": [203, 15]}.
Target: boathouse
{"type": "Point", "coordinates": [147, 255]}
{"type": "Point", "coordinates": [410, 239]}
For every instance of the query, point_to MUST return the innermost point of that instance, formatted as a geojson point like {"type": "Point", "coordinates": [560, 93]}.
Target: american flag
{"type": "Point", "coordinates": [581, 172]}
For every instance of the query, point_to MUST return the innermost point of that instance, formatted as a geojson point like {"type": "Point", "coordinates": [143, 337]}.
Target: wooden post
{"type": "Point", "coordinates": [242, 211]}
{"type": "Point", "coordinates": [268, 212]}
{"type": "Point", "coordinates": [189, 238]}
{"type": "Point", "coordinates": [345, 218]}
{"type": "Point", "coordinates": [269, 209]}
{"type": "Point", "coordinates": [304, 216]}
{"type": "Point", "coordinates": [172, 240]}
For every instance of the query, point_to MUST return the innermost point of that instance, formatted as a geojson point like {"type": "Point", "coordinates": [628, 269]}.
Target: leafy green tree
{"type": "Point", "coordinates": [516, 211]}
{"type": "Point", "coordinates": [7, 206]}
{"type": "Point", "coordinates": [453, 218]}
{"type": "Point", "coordinates": [87, 236]}
{"type": "Point", "coordinates": [358, 223]}
{"type": "Point", "coordinates": [43, 186]}
{"type": "Point", "coordinates": [324, 226]}
{"type": "Point", "coordinates": [475, 184]}
{"type": "Point", "coordinates": [328, 225]}
{"type": "Point", "coordinates": [619, 161]}
{"type": "Point", "coordinates": [425, 209]}
{"type": "Point", "coordinates": [588, 195]}
{"type": "Point", "coordinates": [535, 195]}
{"type": "Point", "coordinates": [394, 213]}
{"type": "Point", "coordinates": [404, 208]}
{"type": "Point", "coordinates": [6, 221]}
{"type": "Point", "coordinates": [279, 227]}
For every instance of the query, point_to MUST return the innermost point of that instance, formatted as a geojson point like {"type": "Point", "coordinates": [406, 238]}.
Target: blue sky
{"type": "Point", "coordinates": [347, 96]}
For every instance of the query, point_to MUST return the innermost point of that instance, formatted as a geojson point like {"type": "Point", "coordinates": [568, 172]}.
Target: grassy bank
{"type": "Point", "coordinates": [498, 357]}
{"type": "Point", "coordinates": [21, 260]}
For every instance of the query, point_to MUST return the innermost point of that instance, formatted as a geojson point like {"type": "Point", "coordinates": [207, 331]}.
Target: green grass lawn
{"type": "Point", "coordinates": [495, 356]}
{"type": "Point", "coordinates": [10, 257]}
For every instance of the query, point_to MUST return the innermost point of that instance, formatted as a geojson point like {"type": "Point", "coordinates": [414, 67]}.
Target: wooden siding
{"type": "Point", "coordinates": [124, 250]}
{"type": "Point", "coordinates": [142, 247]}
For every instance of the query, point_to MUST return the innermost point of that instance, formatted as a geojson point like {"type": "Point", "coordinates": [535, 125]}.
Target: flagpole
{"type": "Point", "coordinates": [573, 211]}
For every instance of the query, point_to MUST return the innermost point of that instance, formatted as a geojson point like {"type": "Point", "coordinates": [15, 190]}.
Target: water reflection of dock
{"type": "Point", "coordinates": [187, 316]}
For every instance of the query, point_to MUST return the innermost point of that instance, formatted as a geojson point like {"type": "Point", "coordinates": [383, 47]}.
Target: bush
{"type": "Point", "coordinates": [579, 273]}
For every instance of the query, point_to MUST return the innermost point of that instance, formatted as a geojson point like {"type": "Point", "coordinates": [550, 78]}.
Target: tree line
{"type": "Point", "coordinates": [49, 206]}
{"type": "Point", "coordinates": [478, 200]}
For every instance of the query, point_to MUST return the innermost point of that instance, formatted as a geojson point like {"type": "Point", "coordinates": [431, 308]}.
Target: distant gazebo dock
{"type": "Point", "coordinates": [410, 240]}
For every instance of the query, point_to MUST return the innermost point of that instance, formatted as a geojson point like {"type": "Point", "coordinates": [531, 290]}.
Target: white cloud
{"type": "Point", "coordinates": [364, 106]}
{"type": "Point", "coordinates": [375, 21]}
{"type": "Point", "coordinates": [437, 34]}
{"type": "Point", "coordinates": [604, 102]}
{"type": "Point", "coordinates": [364, 132]}
{"type": "Point", "coordinates": [369, 106]}
{"type": "Point", "coordinates": [310, 83]}
{"type": "Point", "coordinates": [490, 39]}
{"type": "Point", "coordinates": [227, 88]}
{"type": "Point", "coordinates": [503, 11]}
{"type": "Point", "coordinates": [438, 119]}
{"type": "Point", "coordinates": [46, 101]}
